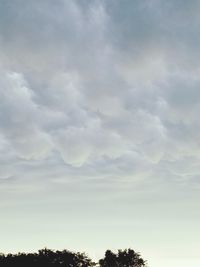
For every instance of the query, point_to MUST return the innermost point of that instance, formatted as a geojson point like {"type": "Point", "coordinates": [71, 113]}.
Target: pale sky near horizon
{"type": "Point", "coordinates": [100, 128]}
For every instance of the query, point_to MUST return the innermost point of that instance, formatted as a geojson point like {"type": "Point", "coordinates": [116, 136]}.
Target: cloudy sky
{"type": "Point", "coordinates": [100, 128]}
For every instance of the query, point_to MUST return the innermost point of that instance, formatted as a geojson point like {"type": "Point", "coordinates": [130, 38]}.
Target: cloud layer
{"type": "Point", "coordinates": [101, 85]}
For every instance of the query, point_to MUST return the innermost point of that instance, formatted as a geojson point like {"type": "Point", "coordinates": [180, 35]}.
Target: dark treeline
{"type": "Point", "coordinates": [47, 257]}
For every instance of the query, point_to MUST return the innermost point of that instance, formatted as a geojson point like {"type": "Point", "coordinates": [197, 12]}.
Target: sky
{"type": "Point", "coordinates": [99, 127]}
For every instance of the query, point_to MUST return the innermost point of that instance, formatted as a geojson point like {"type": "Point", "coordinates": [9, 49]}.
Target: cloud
{"type": "Point", "coordinates": [101, 85]}
{"type": "Point", "coordinates": [18, 115]}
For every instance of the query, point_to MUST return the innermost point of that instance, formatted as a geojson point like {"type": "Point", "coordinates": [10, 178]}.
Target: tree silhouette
{"type": "Point", "coordinates": [46, 258]}
{"type": "Point", "coordinates": [123, 258]}
{"type": "Point", "coordinates": [65, 258]}
{"type": "Point", "coordinates": [110, 260]}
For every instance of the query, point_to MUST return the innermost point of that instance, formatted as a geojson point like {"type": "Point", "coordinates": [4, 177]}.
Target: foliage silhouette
{"type": "Point", "coordinates": [123, 258]}
{"type": "Point", "coordinates": [47, 258]}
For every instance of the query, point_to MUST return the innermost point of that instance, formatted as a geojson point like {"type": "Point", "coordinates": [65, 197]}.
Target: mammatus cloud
{"type": "Point", "coordinates": [101, 84]}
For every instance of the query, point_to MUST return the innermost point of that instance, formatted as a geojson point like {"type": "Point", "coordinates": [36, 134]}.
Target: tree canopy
{"type": "Point", "coordinates": [123, 258]}
{"type": "Point", "coordinates": [47, 258]}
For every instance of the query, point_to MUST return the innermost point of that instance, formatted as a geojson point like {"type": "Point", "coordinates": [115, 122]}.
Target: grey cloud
{"type": "Point", "coordinates": [100, 85]}
{"type": "Point", "coordinates": [18, 115]}
{"type": "Point", "coordinates": [54, 36]}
